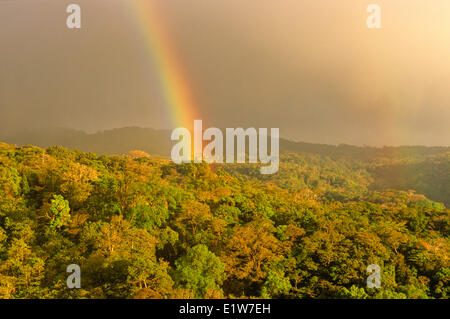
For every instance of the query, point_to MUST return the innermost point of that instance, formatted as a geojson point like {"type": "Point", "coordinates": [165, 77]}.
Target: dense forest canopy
{"type": "Point", "coordinates": [140, 226]}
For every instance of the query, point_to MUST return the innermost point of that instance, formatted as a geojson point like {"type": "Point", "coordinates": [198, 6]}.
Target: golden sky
{"type": "Point", "coordinates": [310, 67]}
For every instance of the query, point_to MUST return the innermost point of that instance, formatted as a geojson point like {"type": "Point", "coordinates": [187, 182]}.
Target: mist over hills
{"type": "Point", "coordinates": [115, 141]}
{"type": "Point", "coordinates": [425, 170]}
{"type": "Point", "coordinates": [158, 143]}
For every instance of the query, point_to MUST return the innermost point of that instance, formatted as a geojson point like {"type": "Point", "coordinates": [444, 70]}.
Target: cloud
{"type": "Point", "coordinates": [311, 68]}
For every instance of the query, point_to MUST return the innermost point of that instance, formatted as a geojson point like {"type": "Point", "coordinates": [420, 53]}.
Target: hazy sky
{"type": "Point", "coordinates": [310, 67]}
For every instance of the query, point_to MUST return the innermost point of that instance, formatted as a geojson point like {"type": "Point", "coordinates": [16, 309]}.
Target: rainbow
{"type": "Point", "coordinates": [176, 90]}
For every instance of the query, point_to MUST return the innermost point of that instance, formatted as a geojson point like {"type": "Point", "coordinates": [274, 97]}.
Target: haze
{"type": "Point", "coordinates": [311, 68]}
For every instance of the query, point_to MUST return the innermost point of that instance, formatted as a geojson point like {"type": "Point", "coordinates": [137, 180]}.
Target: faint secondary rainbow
{"type": "Point", "coordinates": [176, 89]}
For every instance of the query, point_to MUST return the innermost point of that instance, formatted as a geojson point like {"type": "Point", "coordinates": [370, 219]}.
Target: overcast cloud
{"type": "Point", "coordinates": [311, 68]}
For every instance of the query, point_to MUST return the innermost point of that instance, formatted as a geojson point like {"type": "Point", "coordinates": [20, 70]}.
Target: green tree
{"type": "Point", "coordinates": [200, 271]}
{"type": "Point", "coordinates": [59, 212]}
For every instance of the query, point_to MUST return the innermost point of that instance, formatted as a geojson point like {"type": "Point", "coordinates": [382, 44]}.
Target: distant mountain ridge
{"type": "Point", "coordinates": [115, 141]}
{"type": "Point", "coordinates": [420, 168]}
{"type": "Point", "coordinates": [158, 143]}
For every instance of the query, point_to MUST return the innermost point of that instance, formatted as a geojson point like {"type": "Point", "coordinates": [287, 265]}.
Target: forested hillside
{"type": "Point", "coordinates": [423, 169]}
{"type": "Point", "coordinates": [140, 226]}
